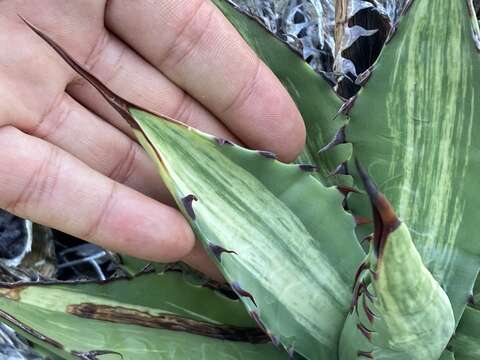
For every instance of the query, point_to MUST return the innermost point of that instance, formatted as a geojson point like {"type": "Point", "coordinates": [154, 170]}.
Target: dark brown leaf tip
{"type": "Point", "coordinates": [187, 202]}
{"type": "Point", "coordinates": [94, 354]}
{"type": "Point", "coordinates": [384, 218]}
{"type": "Point", "coordinates": [119, 104]}
{"type": "Point", "coordinates": [268, 154]}
{"type": "Point", "coordinates": [222, 142]}
{"type": "Point", "coordinates": [217, 251]}
{"type": "Point", "coordinates": [241, 292]}
{"type": "Point", "coordinates": [339, 138]}
{"type": "Point", "coordinates": [308, 167]}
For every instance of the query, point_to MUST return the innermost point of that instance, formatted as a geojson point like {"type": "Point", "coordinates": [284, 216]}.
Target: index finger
{"type": "Point", "coordinates": [194, 45]}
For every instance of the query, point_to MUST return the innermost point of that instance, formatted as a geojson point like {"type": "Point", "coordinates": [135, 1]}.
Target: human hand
{"type": "Point", "coordinates": [69, 162]}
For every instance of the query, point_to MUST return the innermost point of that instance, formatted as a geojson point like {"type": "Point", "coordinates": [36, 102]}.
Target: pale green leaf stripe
{"type": "Point", "coordinates": [296, 251]}
{"type": "Point", "coordinates": [418, 138]}
{"type": "Point", "coordinates": [44, 308]}
{"type": "Point", "coordinates": [315, 99]}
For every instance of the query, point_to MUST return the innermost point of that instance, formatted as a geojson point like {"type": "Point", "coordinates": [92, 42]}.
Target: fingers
{"type": "Point", "coordinates": [195, 46]}
{"type": "Point", "coordinates": [53, 188]}
{"type": "Point", "coordinates": [104, 148]}
{"type": "Point", "coordinates": [126, 73]}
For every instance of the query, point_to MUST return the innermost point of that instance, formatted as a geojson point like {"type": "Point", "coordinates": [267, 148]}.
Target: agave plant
{"type": "Point", "coordinates": [289, 238]}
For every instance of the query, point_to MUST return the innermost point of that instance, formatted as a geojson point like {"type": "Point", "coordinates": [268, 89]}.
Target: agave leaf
{"type": "Point", "coordinates": [282, 239]}
{"type": "Point", "coordinates": [315, 99]}
{"type": "Point", "coordinates": [413, 126]}
{"type": "Point", "coordinates": [466, 343]}
{"type": "Point", "coordinates": [399, 310]}
{"type": "Point", "coordinates": [153, 316]}
{"type": "Point", "coordinates": [447, 355]}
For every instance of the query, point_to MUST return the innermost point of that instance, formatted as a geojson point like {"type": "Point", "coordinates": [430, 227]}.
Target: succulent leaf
{"type": "Point", "coordinates": [417, 139]}
{"type": "Point", "coordinates": [150, 317]}
{"type": "Point", "coordinates": [284, 230]}
{"type": "Point", "coordinates": [399, 310]}
{"type": "Point", "coordinates": [315, 99]}
{"type": "Point", "coordinates": [466, 343]}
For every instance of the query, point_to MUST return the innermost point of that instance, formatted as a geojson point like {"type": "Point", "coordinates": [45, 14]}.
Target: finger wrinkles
{"type": "Point", "coordinates": [246, 91]}
{"type": "Point", "coordinates": [40, 184]}
{"type": "Point", "coordinates": [126, 164]}
{"type": "Point", "coordinates": [105, 212]}
{"type": "Point", "coordinates": [188, 39]}
{"type": "Point", "coordinates": [53, 119]}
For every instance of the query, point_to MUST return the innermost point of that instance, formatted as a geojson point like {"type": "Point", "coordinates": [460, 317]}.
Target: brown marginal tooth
{"type": "Point", "coordinates": [217, 251]}
{"type": "Point", "coordinates": [308, 167]}
{"type": "Point", "coordinates": [243, 293]}
{"type": "Point", "coordinates": [347, 189]}
{"type": "Point", "coordinates": [365, 331]}
{"type": "Point", "coordinates": [367, 238]}
{"type": "Point", "coordinates": [362, 220]}
{"type": "Point", "coordinates": [187, 202]}
{"type": "Point", "coordinates": [221, 141]}
{"type": "Point", "coordinates": [274, 338]}
{"type": "Point", "coordinates": [347, 106]}
{"type": "Point", "coordinates": [259, 322]}
{"type": "Point", "coordinates": [339, 138]}
{"type": "Point", "coordinates": [268, 154]}
{"type": "Point", "coordinates": [471, 299]}
{"type": "Point", "coordinates": [363, 266]}
{"type": "Point", "coordinates": [365, 354]}
{"type": "Point", "coordinates": [363, 77]}
{"type": "Point", "coordinates": [370, 314]}
{"type": "Point", "coordinates": [339, 170]}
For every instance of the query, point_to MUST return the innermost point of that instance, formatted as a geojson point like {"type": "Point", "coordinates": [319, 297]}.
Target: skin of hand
{"type": "Point", "coordinates": [70, 162]}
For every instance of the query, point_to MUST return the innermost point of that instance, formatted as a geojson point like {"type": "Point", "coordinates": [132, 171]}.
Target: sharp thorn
{"type": "Point", "coordinates": [346, 106]}
{"type": "Point", "coordinates": [363, 77]}
{"type": "Point", "coordinates": [222, 142]}
{"type": "Point", "coordinates": [367, 238]}
{"type": "Point", "coordinates": [365, 354]}
{"type": "Point", "coordinates": [339, 170]}
{"type": "Point", "coordinates": [339, 138]}
{"type": "Point", "coordinates": [471, 300]}
{"type": "Point", "coordinates": [268, 154]}
{"type": "Point", "coordinates": [308, 167]}
{"type": "Point", "coordinates": [274, 338]}
{"type": "Point", "coordinates": [187, 202]}
{"type": "Point", "coordinates": [345, 190]}
{"type": "Point", "coordinates": [365, 331]}
{"type": "Point", "coordinates": [242, 293]}
{"type": "Point", "coordinates": [217, 251]}
{"type": "Point", "coordinates": [119, 104]}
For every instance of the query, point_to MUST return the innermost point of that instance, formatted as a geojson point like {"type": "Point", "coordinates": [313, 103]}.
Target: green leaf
{"type": "Point", "coordinates": [414, 126]}
{"type": "Point", "coordinates": [399, 311]}
{"type": "Point", "coordinates": [315, 99]}
{"type": "Point", "coordinates": [154, 316]}
{"type": "Point", "coordinates": [466, 343]}
{"type": "Point", "coordinates": [282, 239]}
